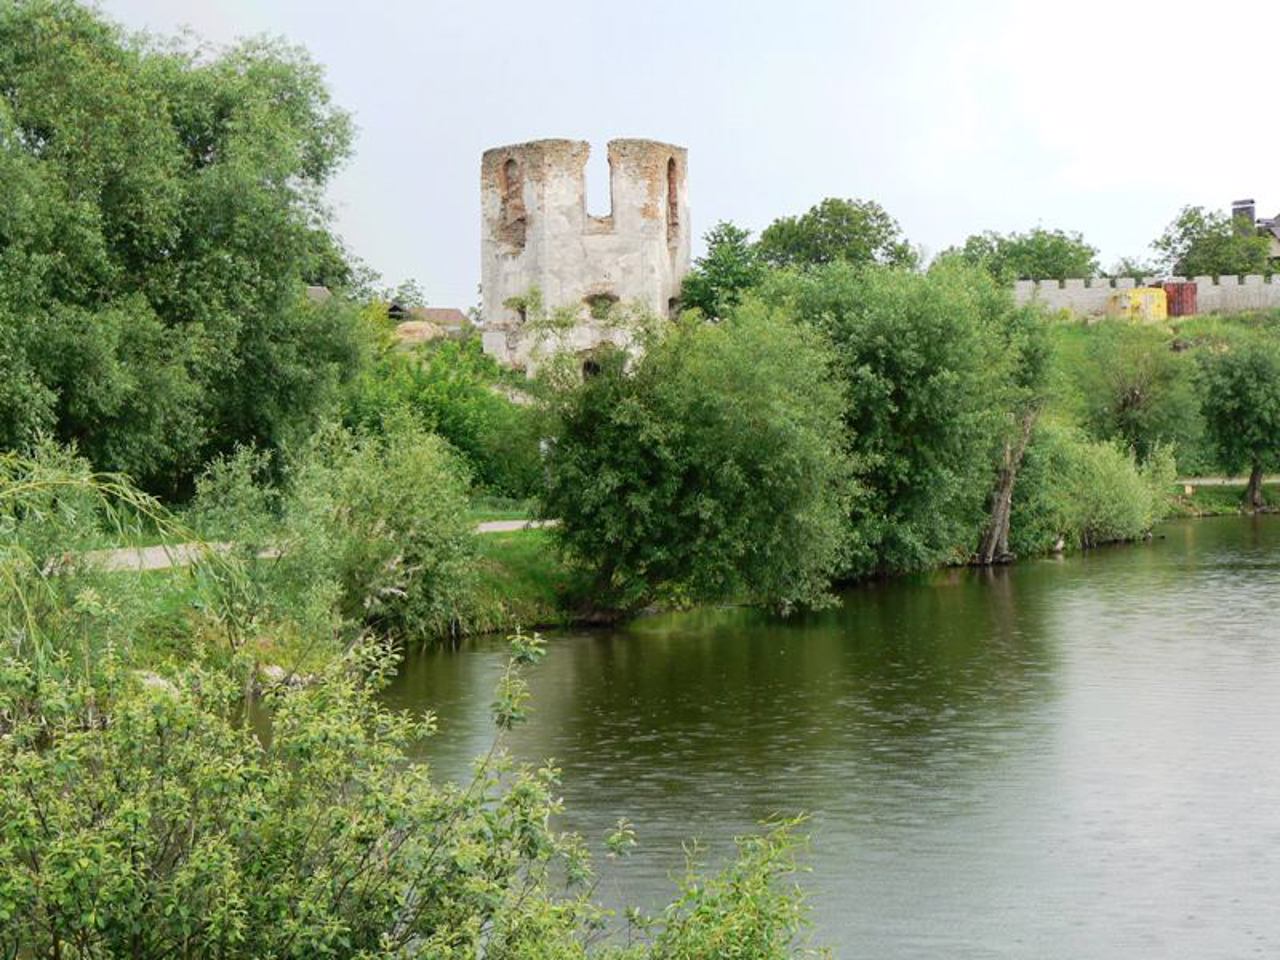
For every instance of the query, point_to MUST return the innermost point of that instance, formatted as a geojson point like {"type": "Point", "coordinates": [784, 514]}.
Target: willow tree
{"type": "Point", "coordinates": [711, 468]}
{"type": "Point", "coordinates": [1241, 403]}
{"type": "Point", "coordinates": [923, 362]}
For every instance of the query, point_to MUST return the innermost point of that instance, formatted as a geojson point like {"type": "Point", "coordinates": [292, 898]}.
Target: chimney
{"type": "Point", "coordinates": [1244, 217]}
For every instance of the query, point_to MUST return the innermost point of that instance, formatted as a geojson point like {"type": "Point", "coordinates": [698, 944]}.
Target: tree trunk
{"type": "Point", "coordinates": [995, 539]}
{"type": "Point", "coordinates": [1253, 501]}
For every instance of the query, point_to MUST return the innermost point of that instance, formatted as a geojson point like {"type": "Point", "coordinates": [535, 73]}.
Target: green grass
{"type": "Point", "coordinates": [498, 508]}
{"type": "Point", "coordinates": [1216, 501]}
{"type": "Point", "coordinates": [524, 583]}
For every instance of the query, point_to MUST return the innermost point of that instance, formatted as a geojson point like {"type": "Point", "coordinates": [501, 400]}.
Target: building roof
{"type": "Point", "coordinates": [450, 318]}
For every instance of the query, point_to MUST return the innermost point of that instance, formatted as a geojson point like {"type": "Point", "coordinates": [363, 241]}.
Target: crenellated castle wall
{"type": "Point", "coordinates": [1227, 294]}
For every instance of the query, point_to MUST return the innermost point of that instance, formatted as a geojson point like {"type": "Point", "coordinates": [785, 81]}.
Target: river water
{"type": "Point", "coordinates": [1072, 758]}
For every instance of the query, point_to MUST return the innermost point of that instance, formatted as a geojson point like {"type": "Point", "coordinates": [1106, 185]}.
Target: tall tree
{"type": "Point", "coordinates": [1135, 389]}
{"type": "Point", "coordinates": [920, 357]}
{"type": "Point", "coordinates": [1203, 242]}
{"type": "Point", "coordinates": [836, 231]}
{"type": "Point", "coordinates": [1241, 401]}
{"type": "Point", "coordinates": [1022, 396]}
{"type": "Point", "coordinates": [162, 210]}
{"type": "Point", "coordinates": [1038, 254]}
{"type": "Point", "coordinates": [719, 278]}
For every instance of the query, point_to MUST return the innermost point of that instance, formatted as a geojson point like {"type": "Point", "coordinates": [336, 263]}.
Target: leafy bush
{"type": "Point", "coordinates": [1085, 493]}
{"type": "Point", "coordinates": [383, 520]}
{"type": "Point", "coordinates": [456, 390]}
{"type": "Point", "coordinates": [738, 912]}
{"type": "Point", "coordinates": [60, 609]}
{"type": "Point", "coordinates": [721, 277]}
{"type": "Point", "coordinates": [712, 469]}
{"type": "Point", "coordinates": [172, 827]}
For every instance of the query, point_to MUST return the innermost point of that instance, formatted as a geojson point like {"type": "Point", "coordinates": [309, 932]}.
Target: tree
{"type": "Point", "coordinates": [1241, 400]}
{"type": "Point", "coordinates": [920, 358]}
{"type": "Point", "coordinates": [163, 207]}
{"type": "Point", "coordinates": [836, 231]}
{"type": "Point", "coordinates": [1038, 254]}
{"type": "Point", "coordinates": [1135, 389]}
{"type": "Point", "coordinates": [1026, 345]}
{"type": "Point", "coordinates": [1203, 242]}
{"type": "Point", "coordinates": [712, 468]}
{"type": "Point", "coordinates": [719, 278]}
{"type": "Point", "coordinates": [1137, 268]}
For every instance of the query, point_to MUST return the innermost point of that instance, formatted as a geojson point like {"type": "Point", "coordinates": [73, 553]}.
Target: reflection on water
{"type": "Point", "coordinates": [1069, 758]}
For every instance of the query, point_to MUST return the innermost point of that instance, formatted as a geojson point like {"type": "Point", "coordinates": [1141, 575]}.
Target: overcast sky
{"type": "Point", "coordinates": [1102, 117]}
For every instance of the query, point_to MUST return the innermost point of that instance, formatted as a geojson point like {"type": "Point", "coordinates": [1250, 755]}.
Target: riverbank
{"type": "Point", "coordinates": [526, 584]}
{"type": "Point", "coordinates": [523, 583]}
{"type": "Point", "coordinates": [1216, 498]}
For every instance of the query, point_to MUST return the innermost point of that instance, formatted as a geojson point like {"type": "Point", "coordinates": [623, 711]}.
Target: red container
{"type": "Point", "coordinates": [1181, 297]}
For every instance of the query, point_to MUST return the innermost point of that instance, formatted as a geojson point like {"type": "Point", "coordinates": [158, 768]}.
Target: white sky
{"type": "Point", "coordinates": [1102, 117]}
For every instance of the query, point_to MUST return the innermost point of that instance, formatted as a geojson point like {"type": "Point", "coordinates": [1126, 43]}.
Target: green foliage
{"type": "Point", "coordinates": [720, 278]}
{"type": "Point", "coordinates": [1203, 242]}
{"type": "Point", "coordinates": [1085, 493]}
{"type": "Point", "coordinates": [927, 376]}
{"type": "Point", "coordinates": [738, 912]}
{"type": "Point", "coordinates": [1035, 255]}
{"type": "Point", "coordinates": [162, 208]}
{"type": "Point", "coordinates": [836, 231]}
{"type": "Point", "coordinates": [382, 522]}
{"type": "Point", "coordinates": [1240, 386]}
{"type": "Point", "coordinates": [172, 828]}
{"type": "Point", "coordinates": [1136, 268]}
{"type": "Point", "coordinates": [1138, 391]}
{"type": "Point", "coordinates": [454, 389]}
{"type": "Point", "coordinates": [712, 469]}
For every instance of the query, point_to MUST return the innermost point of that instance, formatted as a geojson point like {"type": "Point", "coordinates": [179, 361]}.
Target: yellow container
{"type": "Point", "coordinates": [1139, 303]}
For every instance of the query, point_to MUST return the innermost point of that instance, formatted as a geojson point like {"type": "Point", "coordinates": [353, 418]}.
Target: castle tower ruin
{"type": "Point", "coordinates": [537, 235]}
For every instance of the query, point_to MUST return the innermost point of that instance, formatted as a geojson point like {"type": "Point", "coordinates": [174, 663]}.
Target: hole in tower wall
{"type": "Point", "coordinates": [673, 201]}
{"type": "Point", "coordinates": [513, 218]}
{"type": "Point", "coordinates": [598, 185]}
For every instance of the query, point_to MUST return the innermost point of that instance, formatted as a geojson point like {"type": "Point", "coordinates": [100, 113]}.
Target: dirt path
{"type": "Point", "coordinates": [1222, 481]}
{"type": "Point", "coordinates": [164, 557]}
{"type": "Point", "coordinates": [511, 526]}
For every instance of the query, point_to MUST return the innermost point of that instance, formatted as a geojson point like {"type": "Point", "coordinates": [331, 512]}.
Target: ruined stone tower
{"type": "Point", "coordinates": [537, 234]}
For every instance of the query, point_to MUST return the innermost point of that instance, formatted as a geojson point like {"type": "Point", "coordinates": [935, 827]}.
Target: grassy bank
{"type": "Point", "coordinates": [524, 583]}
{"type": "Point", "coordinates": [1217, 500]}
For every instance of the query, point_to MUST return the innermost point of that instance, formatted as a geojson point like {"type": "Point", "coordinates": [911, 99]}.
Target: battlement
{"type": "Point", "coordinates": [537, 233]}
{"type": "Point", "coordinates": [1226, 294]}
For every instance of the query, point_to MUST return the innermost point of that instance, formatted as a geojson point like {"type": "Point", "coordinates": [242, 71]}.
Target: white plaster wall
{"type": "Point", "coordinates": [569, 255]}
{"type": "Point", "coordinates": [1228, 295]}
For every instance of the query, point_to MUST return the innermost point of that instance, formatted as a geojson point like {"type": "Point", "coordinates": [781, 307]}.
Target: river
{"type": "Point", "coordinates": [1068, 758]}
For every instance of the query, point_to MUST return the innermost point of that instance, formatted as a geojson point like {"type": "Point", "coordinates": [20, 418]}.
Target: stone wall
{"type": "Point", "coordinates": [1227, 294]}
{"type": "Point", "coordinates": [536, 233]}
